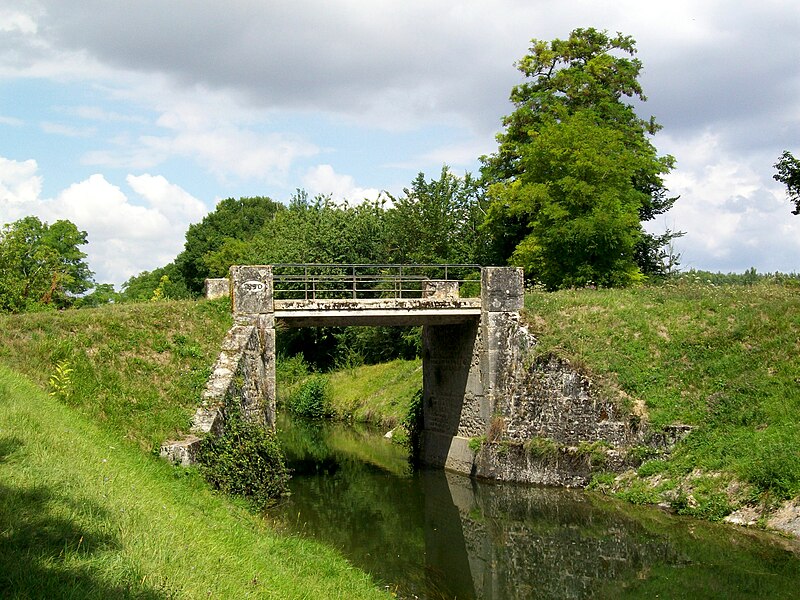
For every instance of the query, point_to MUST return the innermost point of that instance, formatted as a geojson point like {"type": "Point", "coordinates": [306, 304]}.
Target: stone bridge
{"type": "Point", "coordinates": [481, 378]}
{"type": "Point", "coordinates": [467, 341]}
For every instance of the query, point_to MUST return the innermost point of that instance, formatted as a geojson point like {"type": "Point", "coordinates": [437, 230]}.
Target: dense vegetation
{"type": "Point", "coordinates": [564, 196]}
{"type": "Point", "coordinates": [41, 265]}
{"type": "Point", "coordinates": [576, 172]}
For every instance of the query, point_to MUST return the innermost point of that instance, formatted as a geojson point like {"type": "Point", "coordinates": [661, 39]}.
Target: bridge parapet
{"type": "Point", "coordinates": [367, 282]}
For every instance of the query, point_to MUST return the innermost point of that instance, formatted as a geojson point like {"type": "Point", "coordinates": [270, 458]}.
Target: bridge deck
{"type": "Point", "coordinates": [377, 311]}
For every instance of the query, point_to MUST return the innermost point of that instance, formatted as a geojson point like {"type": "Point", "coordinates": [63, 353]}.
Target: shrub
{"type": "Point", "coordinates": [246, 460]}
{"type": "Point", "coordinates": [476, 443]}
{"type": "Point", "coordinates": [651, 467]}
{"type": "Point", "coordinates": [412, 423]}
{"type": "Point", "coordinates": [60, 381]}
{"type": "Point", "coordinates": [541, 447]}
{"type": "Point", "coordinates": [312, 400]}
{"type": "Point", "coordinates": [637, 455]}
{"type": "Point", "coordinates": [595, 452]}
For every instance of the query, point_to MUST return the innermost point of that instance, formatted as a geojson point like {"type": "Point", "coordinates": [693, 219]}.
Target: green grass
{"type": "Point", "coordinates": [137, 368]}
{"type": "Point", "coordinates": [84, 514]}
{"type": "Point", "coordinates": [721, 358]}
{"type": "Point", "coordinates": [380, 394]}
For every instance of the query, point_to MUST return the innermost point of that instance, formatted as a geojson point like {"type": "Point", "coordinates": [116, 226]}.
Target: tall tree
{"type": "Point", "coordinates": [41, 264]}
{"type": "Point", "coordinates": [551, 173]}
{"type": "Point", "coordinates": [788, 168]}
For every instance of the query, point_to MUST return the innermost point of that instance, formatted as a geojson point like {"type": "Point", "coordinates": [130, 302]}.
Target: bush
{"type": "Point", "coordinates": [541, 447]}
{"type": "Point", "coordinates": [413, 424]}
{"type": "Point", "coordinates": [312, 400]}
{"type": "Point", "coordinates": [245, 461]}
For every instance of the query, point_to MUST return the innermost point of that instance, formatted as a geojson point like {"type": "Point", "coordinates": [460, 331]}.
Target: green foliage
{"type": "Point", "coordinates": [289, 370]}
{"type": "Point", "coordinates": [164, 283]}
{"type": "Point", "coordinates": [413, 423]}
{"type": "Point", "coordinates": [750, 277]}
{"type": "Point", "coordinates": [575, 172]}
{"type": "Point", "coordinates": [246, 460]}
{"type": "Point", "coordinates": [437, 221]}
{"type": "Point", "coordinates": [542, 448]}
{"type": "Point", "coordinates": [312, 399]}
{"type": "Point", "coordinates": [652, 467]}
{"type": "Point", "coordinates": [231, 222]}
{"type": "Point", "coordinates": [773, 464]}
{"type": "Point", "coordinates": [60, 381]}
{"type": "Point", "coordinates": [476, 443]}
{"type": "Point", "coordinates": [41, 265]}
{"type": "Point", "coordinates": [636, 455]}
{"type": "Point", "coordinates": [788, 168]}
{"type": "Point", "coordinates": [639, 492]}
{"type": "Point", "coordinates": [601, 482]}
{"type": "Point", "coordinates": [102, 293]}
{"type": "Point", "coordinates": [595, 452]}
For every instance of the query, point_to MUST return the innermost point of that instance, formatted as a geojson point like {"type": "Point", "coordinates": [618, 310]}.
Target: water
{"type": "Point", "coordinates": [431, 534]}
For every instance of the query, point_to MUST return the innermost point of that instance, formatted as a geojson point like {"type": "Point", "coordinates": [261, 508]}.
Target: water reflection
{"type": "Point", "coordinates": [431, 534]}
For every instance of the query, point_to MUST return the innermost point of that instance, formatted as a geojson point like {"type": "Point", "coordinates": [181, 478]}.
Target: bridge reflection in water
{"type": "Point", "coordinates": [435, 534]}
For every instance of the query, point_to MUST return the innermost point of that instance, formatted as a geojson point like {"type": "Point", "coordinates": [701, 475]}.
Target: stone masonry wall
{"type": "Point", "coordinates": [244, 372]}
{"type": "Point", "coordinates": [547, 398]}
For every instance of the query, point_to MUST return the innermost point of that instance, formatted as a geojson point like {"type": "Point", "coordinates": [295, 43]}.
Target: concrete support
{"type": "Point", "coordinates": [463, 367]}
{"type": "Point", "coordinates": [253, 306]}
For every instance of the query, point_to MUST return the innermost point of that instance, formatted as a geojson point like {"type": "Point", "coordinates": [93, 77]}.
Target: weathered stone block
{"type": "Point", "coordinates": [502, 289]}
{"type": "Point", "coordinates": [181, 452]}
{"type": "Point", "coordinates": [216, 288]}
{"type": "Point", "coordinates": [252, 289]}
{"type": "Point", "coordinates": [440, 289]}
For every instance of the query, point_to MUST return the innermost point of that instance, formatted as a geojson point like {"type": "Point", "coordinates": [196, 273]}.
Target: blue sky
{"type": "Point", "coordinates": [134, 119]}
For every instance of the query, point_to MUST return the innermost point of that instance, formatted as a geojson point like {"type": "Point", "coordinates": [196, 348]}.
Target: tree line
{"type": "Point", "coordinates": [565, 195]}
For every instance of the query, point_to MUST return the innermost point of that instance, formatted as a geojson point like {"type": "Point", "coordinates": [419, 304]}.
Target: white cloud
{"type": "Point", "coordinates": [175, 203]}
{"type": "Point", "coordinates": [125, 237]}
{"type": "Point", "coordinates": [19, 187]}
{"type": "Point", "coordinates": [12, 121]}
{"type": "Point", "coordinates": [733, 215]}
{"type": "Point", "coordinates": [12, 20]}
{"type": "Point", "coordinates": [67, 130]}
{"type": "Point", "coordinates": [322, 179]}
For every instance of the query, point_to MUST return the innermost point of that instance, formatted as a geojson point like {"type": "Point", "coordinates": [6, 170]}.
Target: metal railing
{"type": "Point", "coordinates": [336, 281]}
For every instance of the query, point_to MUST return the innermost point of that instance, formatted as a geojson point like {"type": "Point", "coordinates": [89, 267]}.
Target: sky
{"type": "Point", "coordinates": [133, 119]}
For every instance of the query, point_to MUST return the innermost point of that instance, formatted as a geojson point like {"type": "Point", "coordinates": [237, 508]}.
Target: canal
{"type": "Point", "coordinates": [435, 535]}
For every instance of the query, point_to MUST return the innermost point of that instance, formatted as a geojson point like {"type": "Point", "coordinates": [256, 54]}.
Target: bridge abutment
{"type": "Point", "coordinates": [464, 367]}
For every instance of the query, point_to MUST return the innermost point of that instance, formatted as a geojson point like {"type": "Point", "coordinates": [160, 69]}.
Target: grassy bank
{"type": "Point", "coordinates": [136, 368]}
{"type": "Point", "coordinates": [720, 358]}
{"type": "Point", "coordinates": [83, 514]}
{"type": "Point", "coordinates": [378, 394]}
{"type": "Point", "coordinates": [86, 510]}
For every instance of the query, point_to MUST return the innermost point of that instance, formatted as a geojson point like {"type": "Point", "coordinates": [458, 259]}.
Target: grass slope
{"type": "Point", "coordinates": [378, 394]}
{"type": "Point", "coordinates": [85, 515]}
{"type": "Point", "coordinates": [137, 368]}
{"type": "Point", "coordinates": [721, 358]}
